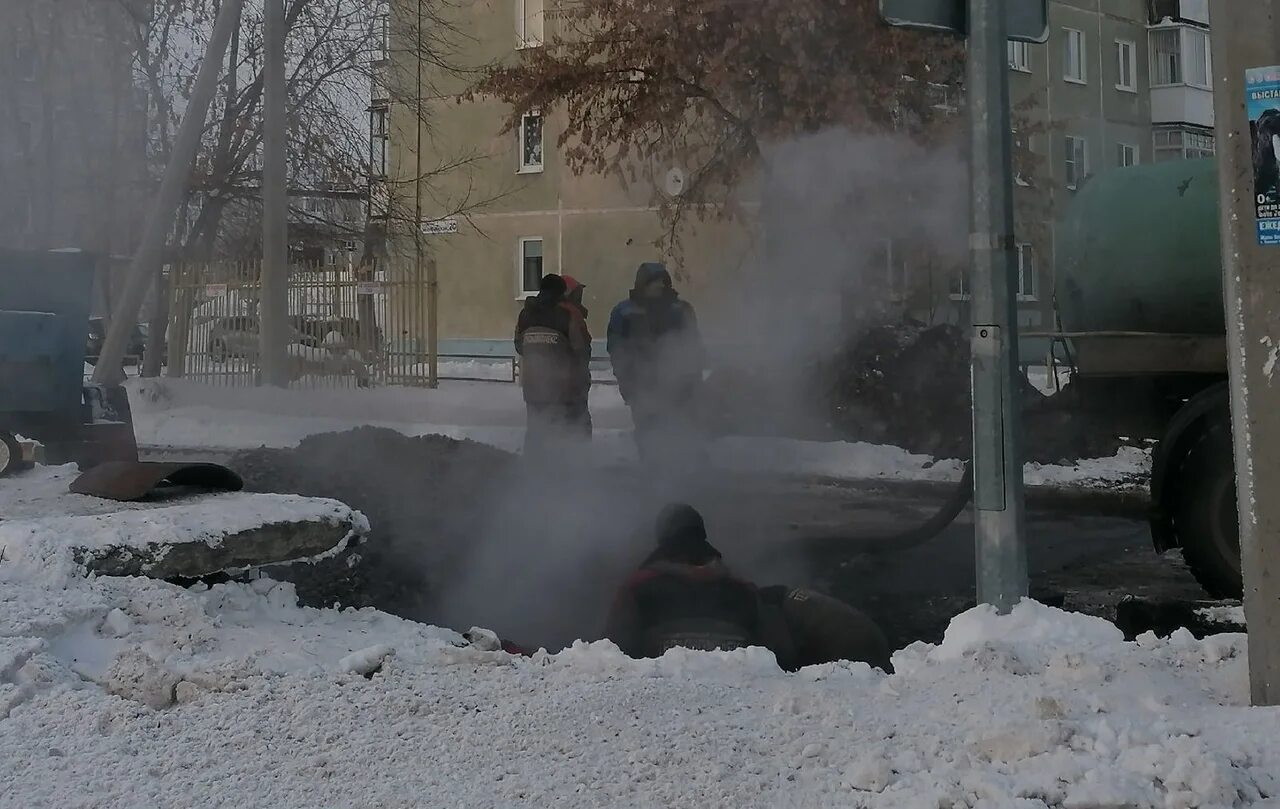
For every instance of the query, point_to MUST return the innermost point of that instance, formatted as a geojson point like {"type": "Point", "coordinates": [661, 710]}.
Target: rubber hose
{"type": "Point", "coordinates": [955, 503]}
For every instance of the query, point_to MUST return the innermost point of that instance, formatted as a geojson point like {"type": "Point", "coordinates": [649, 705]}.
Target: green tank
{"type": "Point", "coordinates": [1138, 252]}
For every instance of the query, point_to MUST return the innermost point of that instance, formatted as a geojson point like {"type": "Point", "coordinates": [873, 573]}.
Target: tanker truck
{"type": "Point", "coordinates": [1140, 307]}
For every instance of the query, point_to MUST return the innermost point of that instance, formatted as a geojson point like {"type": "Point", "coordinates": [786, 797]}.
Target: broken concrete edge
{"type": "Point", "coordinates": [287, 542]}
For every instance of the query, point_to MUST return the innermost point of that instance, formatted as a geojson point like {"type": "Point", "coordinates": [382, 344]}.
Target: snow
{"type": "Point", "coordinates": [182, 415]}
{"type": "Point", "coordinates": [1223, 615]}
{"type": "Point", "coordinates": [234, 696]}
{"type": "Point", "coordinates": [42, 524]}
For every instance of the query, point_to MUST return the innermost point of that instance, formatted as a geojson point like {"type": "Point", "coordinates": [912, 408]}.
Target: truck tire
{"type": "Point", "coordinates": [10, 455]}
{"type": "Point", "coordinates": [1205, 518]}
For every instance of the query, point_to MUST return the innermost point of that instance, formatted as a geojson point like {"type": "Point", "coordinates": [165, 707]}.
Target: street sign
{"type": "Point", "coordinates": [440, 227]}
{"type": "Point", "coordinates": [1028, 20]}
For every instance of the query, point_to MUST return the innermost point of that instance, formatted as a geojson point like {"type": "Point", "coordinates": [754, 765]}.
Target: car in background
{"type": "Point", "coordinates": [98, 335]}
{"type": "Point", "coordinates": [238, 337]}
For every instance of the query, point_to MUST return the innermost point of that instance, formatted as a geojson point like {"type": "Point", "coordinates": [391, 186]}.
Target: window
{"type": "Point", "coordinates": [529, 23]}
{"type": "Point", "coordinates": [960, 286]}
{"type": "Point", "coordinates": [1197, 61]}
{"type": "Point", "coordinates": [1126, 66]}
{"type": "Point", "coordinates": [1026, 273]}
{"type": "Point", "coordinates": [1076, 162]}
{"type": "Point", "coordinates": [1019, 56]}
{"type": "Point", "coordinates": [895, 265]}
{"type": "Point", "coordinates": [1166, 57]}
{"type": "Point", "coordinates": [25, 59]}
{"type": "Point", "coordinates": [1126, 155]}
{"type": "Point", "coordinates": [383, 30]}
{"type": "Point", "coordinates": [1073, 57]}
{"type": "Point", "coordinates": [1182, 144]}
{"type": "Point", "coordinates": [531, 143]}
{"type": "Point", "coordinates": [530, 266]}
{"type": "Point", "coordinates": [378, 141]}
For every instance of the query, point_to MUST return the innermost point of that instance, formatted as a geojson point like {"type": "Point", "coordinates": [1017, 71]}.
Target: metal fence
{"type": "Point", "coordinates": [347, 329]}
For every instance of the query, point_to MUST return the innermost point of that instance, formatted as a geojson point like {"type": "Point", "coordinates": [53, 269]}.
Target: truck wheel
{"type": "Point", "coordinates": [10, 455]}
{"type": "Point", "coordinates": [1206, 521]}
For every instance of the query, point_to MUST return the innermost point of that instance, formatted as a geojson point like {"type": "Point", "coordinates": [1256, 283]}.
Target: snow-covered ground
{"type": "Point", "coordinates": [178, 414]}
{"type": "Point", "coordinates": [130, 692]}
{"type": "Point", "coordinates": [134, 693]}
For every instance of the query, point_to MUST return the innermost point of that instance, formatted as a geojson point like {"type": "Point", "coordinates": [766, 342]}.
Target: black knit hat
{"type": "Point", "coordinates": [552, 284]}
{"type": "Point", "coordinates": [682, 536]}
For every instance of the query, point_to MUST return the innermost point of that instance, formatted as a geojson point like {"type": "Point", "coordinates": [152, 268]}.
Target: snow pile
{"type": "Point", "coordinates": [233, 696]}
{"type": "Point", "coordinates": [53, 548]}
{"type": "Point", "coordinates": [177, 415]}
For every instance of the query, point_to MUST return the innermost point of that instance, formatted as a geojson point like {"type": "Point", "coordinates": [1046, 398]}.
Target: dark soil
{"type": "Point", "coordinates": [425, 491]}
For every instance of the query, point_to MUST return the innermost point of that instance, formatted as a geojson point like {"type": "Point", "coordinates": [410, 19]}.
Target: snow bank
{"type": "Point", "coordinates": [177, 415]}
{"type": "Point", "coordinates": [133, 691]}
{"type": "Point", "coordinates": [55, 547]}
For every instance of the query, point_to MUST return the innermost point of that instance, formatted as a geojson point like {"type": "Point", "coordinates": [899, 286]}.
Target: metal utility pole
{"type": "Point", "coordinates": [1246, 62]}
{"type": "Point", "coordinates": [1001, 556]}
{"type": "Point", "coordinates": [273, 302]}
{"type": "Point", "coordinates": [147, 261]}
{"type": "Point", "coordinates": [433, 286]}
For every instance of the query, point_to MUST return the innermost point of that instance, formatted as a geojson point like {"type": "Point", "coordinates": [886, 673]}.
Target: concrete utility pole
{"type": "Point", "coordinates": [997, 418]}
{"type": "Point", "coordinates": [147, 261]}
{"type": "Point", "coordinates": [1246, 38]}
{"type": "Point", "coordinates": [273, 302]}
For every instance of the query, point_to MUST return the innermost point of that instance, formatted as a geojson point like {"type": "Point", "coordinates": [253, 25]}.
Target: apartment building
{"type": "Point", "coordinates": [1119, 82]}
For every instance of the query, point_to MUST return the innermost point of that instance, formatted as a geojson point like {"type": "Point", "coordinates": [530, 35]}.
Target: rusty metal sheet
{"type": "Point", "coordinates": [134, 480]}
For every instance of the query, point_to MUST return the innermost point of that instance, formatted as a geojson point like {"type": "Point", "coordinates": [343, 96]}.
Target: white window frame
{"type": "Point", "coordinates": [1129, 149]}
{"type": "Point", "coordinates": [1081, 166]}
{"type": "Point", "coordinates": [1157, 54]}
{"type": "Point", "coordinates": [1019, 56]}
{"type": "Point", "coordinates": [1207, 66]}
{"type": "Point", "coordinates": [1126, 63]}
{"type": "Point", "coordinates": [1023, 250]}
{"type": "Point", "coordinates": [531, 168]}
{"type": "Point", "coordinates": [523, 293]}
{"type": "Point", "coordinates": [379, 141]}
{"type": "Point", "coordinates": [1075, 37]}
{"type": "Point", "coordinates": [531, 20]}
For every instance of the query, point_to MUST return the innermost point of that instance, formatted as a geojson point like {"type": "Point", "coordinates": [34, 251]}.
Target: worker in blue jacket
{"type": "Point", "coordinates": [658, 360]}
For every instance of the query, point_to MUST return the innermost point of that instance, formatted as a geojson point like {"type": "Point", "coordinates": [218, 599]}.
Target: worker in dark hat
{"type": "Point", "coordinates": [684, 596]}
{"type": "Point", "coordinates": [553, 343]}
{"type": "Point", "coordinates": [580, 411]}
{"type": "Point", "coordinates": [658, 360]}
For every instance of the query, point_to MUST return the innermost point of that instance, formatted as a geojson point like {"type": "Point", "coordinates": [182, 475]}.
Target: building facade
{"type": "Point", "coordinates": [1119, 82]}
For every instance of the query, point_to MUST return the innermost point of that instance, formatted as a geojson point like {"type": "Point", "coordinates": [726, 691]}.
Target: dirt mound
{"type": "Point", "coordinates": [423, 497]}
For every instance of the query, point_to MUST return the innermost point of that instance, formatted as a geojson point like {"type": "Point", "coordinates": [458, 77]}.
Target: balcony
{"type": "Point", "coordinates": [1180, 74]}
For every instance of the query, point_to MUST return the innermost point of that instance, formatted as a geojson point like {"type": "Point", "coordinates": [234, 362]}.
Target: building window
{"type": "Point", "coordinates": [1126, 155]}
{"type": "Point", "coordinates": [1076, 162]}
{"type": "Point", "coordinates": [382, 28]}
{"type": "Point", "coordinates": [531, 143]}
{"type": "Point", "coordinates": [1026, 273]}
{"type": "Point", "coordinates": [530, 266]}
{"type": "Point", "coordinates": [25, 61]}
{"type": "Point", "coordinates": [1074, 57]}
{"type": "Point", "coordinates": [1182, 144]}
{"type": "Point", "coordinates": [960, 285]}
{"type": "Point", "coordinates": [379, 139]}
{"type": "Point", "coordinates": [1020, 56]}
{"type": "Point", "coordinates": [1180, 55]}
{"type": "Point", "coordinates": [1126, 66]}
{"type": "Point", "coordinates": [529, 23]}
{"type": "Point", "coordinates": [1197, 61]}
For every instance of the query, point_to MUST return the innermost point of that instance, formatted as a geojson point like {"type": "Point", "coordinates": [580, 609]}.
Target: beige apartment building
{"type": "Point", "coordinates": [1119, 82]}
{"type": "Point", "coordinates": [512, 211]}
